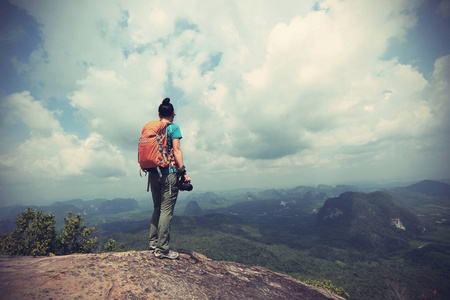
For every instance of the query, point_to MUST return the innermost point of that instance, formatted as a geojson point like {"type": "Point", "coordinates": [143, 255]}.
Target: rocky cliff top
{"type": "Point", "coordinates": [139, 275]}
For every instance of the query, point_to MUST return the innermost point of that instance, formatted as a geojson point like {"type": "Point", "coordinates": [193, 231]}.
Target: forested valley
{"type": "Point", "coordinates": [390, 243]}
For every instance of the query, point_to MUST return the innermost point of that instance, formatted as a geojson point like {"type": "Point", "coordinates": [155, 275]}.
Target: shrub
{"type": "Point", "coordinates": [326, 284]}
{"type": "Point", "coordinates": [74, 237]}
{"type": "Point", "coordinates": [110, 246]}
{"type": "Point", "coordinates": [36, 235]}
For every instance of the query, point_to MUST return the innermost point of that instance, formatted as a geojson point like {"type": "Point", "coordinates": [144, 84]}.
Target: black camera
{"type": "Point", "coordinates": [181, 182]}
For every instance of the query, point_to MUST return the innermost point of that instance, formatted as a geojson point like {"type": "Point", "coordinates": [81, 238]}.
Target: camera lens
{"type": "Point", "coordinates": [186, 187]}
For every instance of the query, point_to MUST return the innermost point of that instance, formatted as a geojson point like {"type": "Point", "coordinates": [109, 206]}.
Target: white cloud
{"type": "Point", "coordinates": [74, 35]}
{"type": "Point", "coordinates": [258, 87]}
{"type": "Point", "coordinates": [320, 73]}
{"type": "Point", "coordinates": [53, 153]}
{"type": "Point", "coordinates": [148, 22]}
{"type": "Point", "coordinates": [40, 121]}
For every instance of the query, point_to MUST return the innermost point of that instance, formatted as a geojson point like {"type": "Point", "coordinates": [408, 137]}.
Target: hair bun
{"type": "Point", "coordinates": [166, 101]}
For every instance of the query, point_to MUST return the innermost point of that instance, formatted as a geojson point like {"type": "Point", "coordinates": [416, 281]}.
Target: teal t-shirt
{"type": "Point", "coordinates": [173, 132]}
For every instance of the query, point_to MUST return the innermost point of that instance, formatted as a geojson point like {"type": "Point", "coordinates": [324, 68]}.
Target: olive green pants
{"type": "Point", "coordinates": [164, 193]}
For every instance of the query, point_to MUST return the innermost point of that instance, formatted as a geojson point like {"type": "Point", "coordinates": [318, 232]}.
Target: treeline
{"type": "Point", "coordinates": [36, 235]}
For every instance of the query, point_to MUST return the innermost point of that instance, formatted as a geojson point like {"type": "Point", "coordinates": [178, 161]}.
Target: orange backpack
{"type": "Point", "coordinates": [153, 149]}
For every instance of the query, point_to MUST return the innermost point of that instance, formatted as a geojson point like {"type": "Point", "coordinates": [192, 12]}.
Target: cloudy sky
{"type": "Point", "coordinates": [267, 93]}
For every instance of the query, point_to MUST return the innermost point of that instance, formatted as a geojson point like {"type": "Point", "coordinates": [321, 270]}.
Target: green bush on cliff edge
{"type": "Point", "coordinates": [36, 235]}
{"type": "Point", "coordinates": [326, 284]}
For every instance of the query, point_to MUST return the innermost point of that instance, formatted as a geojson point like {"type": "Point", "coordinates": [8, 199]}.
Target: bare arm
{"type": "Point", "coordinates": [178, 155]}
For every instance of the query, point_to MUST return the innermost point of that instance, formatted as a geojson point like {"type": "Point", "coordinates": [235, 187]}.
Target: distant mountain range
{"type": "Point", "coordinates": [430, 187]}
{"type": "Point", "coordinates": [256, 202]}
{"type": "Point", "coordinates": [206, 198]}
{"type": "Point", "coordinates": [76, 206]}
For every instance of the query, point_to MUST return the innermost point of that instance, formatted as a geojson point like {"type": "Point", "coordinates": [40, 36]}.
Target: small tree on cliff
{"type": "Point", "coordinates": [110, 246]}
{"type": "Point", "coordinates": [75, 238]}
{"type": "Point", "coordinates": [36, 235]}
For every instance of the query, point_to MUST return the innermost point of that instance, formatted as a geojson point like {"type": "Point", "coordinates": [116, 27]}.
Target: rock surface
{"type": "Point", "coordinates": [139, 275]}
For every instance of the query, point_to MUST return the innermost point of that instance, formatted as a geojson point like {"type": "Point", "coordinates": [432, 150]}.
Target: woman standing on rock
{"type": "Point", "coordinates": [163, 183]}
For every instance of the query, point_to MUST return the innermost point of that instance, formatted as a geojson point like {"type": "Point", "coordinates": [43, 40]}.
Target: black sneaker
{"type": "Point", "coordinates": [170, 254]}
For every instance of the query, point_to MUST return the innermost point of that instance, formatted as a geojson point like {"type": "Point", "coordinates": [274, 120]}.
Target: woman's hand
{"type": "Point", "coordinates": [186, 178]}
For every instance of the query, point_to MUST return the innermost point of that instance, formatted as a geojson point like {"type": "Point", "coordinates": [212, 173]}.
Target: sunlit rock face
{"type": "Point", "coordinates": [139, 275]}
